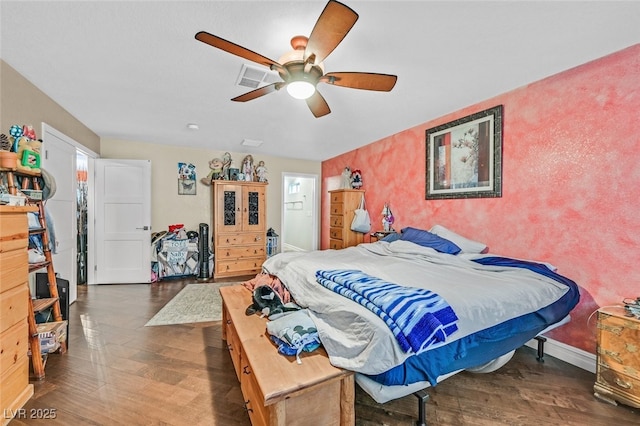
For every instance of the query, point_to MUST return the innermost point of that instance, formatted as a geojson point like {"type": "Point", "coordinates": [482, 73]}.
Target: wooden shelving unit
{"type": "Point", "coordinates": [38, 359]}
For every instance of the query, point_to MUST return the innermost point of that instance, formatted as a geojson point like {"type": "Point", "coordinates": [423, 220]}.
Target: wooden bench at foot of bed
{"type": "Point", "coordinates": [277, 390]}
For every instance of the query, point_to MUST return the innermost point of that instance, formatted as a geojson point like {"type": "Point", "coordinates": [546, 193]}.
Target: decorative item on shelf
{"type": "Point", "coordinates": [248, 168]}
{"type": "Point", "coordinates": [215, 171]}
{"type": "Point", "coordinates": [226, 166]}
{"type": "Point", "coordinates": [356, 179]}
{"type": "Point", "coordinates": [8, 159]}
{"type": "Point", "coordinates": [5, 143]}
{"type": "Point", "coordinates": [387, 218]}
{"type": "Point", "coordinates": [28, 155]}
{"type": "Point", "coordinates": [346, 178]}
{"type": "Point", "coordinates": [234, 173]}
{"type": "Point", "coordinates": [25, 147]}
{"type": "Point", "coordinates": [261, 172]}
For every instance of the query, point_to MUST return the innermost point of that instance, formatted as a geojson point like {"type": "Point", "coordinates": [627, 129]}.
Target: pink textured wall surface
{"type": "Point", "coordinates": [571, 183]}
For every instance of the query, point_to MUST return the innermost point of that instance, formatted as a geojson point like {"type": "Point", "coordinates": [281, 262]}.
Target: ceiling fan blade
{"type": "Point", "coordinates": [361, 80]}
{"type": "Point", "coordinates": [332, 26]}
{"type": "Point", "coordinates": [237, 50]}
{"type": "Point", "coordinates": [318, 105]}
{"type": "Point", "coordinates": [261, 91]}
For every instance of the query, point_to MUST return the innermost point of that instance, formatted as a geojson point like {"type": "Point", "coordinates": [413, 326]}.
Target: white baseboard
{"type": "Point", "coordinates": [289, 247]}
{"type": "Point", "coordinates": [566, 353]}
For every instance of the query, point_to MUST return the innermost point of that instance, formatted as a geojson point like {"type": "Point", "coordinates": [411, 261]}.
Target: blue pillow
{"type": "Point", "coordinates": [427, 239]}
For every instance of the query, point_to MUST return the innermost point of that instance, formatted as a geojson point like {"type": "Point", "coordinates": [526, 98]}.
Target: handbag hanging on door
{"type": "Point", "coordinates": [361, 221]}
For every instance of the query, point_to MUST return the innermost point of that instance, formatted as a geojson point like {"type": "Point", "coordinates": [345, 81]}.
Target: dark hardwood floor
{"type": "Point", "coordinates": [119, 372]}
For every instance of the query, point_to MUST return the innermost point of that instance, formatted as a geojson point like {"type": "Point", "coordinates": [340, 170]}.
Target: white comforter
{"type": "Point", "coordinates": [356, 339]}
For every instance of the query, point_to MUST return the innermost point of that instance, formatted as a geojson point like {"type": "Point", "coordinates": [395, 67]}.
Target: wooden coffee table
{"type": "Point", "coordinates": [277, 390]}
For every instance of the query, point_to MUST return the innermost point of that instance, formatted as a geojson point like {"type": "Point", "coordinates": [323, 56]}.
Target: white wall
{"type": "Point", "coordinates": [167, 207]}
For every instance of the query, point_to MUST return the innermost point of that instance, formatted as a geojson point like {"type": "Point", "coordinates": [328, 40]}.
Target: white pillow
{"type": "Point", "coordinates": [466, 245]}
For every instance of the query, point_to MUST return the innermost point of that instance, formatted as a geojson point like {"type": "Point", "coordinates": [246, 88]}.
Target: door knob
{"type": "Point", "coordinates": [144, 228]}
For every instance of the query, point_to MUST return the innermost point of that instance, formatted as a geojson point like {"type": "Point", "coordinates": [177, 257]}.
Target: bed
{"type": "Point", "coordinates": [498, 304]}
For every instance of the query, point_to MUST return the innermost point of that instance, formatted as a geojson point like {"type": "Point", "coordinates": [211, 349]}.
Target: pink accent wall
{"type": "Point", "coordinates": [571, 183]}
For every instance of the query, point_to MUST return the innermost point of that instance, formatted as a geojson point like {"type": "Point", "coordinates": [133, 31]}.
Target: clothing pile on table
{"type": "Point", "coordinates": [174, 253]}
{"type": "Point", "coordinates": [290, 328]}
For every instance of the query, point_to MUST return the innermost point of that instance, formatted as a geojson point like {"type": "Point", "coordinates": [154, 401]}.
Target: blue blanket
{"type": "Point", "coordinates": [417, 317]}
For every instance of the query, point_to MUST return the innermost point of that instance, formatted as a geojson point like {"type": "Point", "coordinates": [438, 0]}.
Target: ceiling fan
{"type": "Point", "coordinates": [302, 69]}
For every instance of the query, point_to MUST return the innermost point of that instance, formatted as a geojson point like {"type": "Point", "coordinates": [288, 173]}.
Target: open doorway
{"type": "Point", "coordinates": [82, 191]}
{"type": "Point", "coordinates": [299, 212]}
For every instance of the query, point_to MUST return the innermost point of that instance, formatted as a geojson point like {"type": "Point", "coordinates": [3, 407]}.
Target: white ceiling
{"type": "Point", "coordinates": [133, 70]}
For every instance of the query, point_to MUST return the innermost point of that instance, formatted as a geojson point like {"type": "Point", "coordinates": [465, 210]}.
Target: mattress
{"type": "Point", "coordinates": [502, 303]}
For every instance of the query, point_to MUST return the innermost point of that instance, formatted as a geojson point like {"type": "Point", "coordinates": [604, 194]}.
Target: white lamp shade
{"type": "Point", "coordinates": [301, 89]}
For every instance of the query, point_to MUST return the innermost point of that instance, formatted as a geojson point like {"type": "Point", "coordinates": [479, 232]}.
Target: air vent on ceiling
{"type": "Point", "coordinates": [256, 77]}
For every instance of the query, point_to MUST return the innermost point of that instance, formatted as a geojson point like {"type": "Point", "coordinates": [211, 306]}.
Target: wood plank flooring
{"type": "Point", "coordinates": [119, 372]}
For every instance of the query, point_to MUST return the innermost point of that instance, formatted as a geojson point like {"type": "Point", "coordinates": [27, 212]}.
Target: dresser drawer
{"type": "Point", "coordinates": [15, 381]}
{"type": "Point", "coordinates": [13, 306]}
{"type": "Point", "coordinates": [236, 252]}
{"type": "Point", "coordinates": [14, 344]}
{"type": "Point", "coordinates": [14, 232]}
{"type": "Point", "coordinates": [337, 197]}
{"type": "Point", "coordinates": [245, 266]}
{"type": "Point", "coordinates": [336, 244]}
{"type": "Point", "coordinates": [234, 346]}
{"type": "Point", "coordinates": [253, 398]}
{"type": "Point", "coordinates": [337, 208]}
{"type": "Point", "coordinates": [335, 233]}
{"type": "Point", "coordinates": [619, 344]}
{"type": "Point", "coordinates": [14, 268]}
{"type": "Point", "coordinates": [227, 240]}
{"type": "Point", "coordinates": [336, 221]}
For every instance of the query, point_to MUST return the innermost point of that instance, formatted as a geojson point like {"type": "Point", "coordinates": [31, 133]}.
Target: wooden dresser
{"type": "Point", "coordinates": [277, 390]}
{"type": "Point", "coordinates": [343, 204]}
{"type": "Point", "coordinates": [618, 368]}
{"type": "Point", "coordinates": [15, 389]}
{"type": "Point", "coordinates": [239, 227]}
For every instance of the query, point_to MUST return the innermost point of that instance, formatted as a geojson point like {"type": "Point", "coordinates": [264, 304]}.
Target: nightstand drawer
{"type": "Point", "coordinates": [619, 345]}
{"type": "Point", "coordinates": [620, 384]}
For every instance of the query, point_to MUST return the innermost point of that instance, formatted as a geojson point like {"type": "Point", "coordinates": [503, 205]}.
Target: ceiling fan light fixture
{"type": "Point", "coordinates": [301, 89]}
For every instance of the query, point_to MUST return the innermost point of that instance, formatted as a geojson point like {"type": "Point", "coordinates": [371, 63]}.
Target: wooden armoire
{"type": "Point", "coordinates": [239, 227]}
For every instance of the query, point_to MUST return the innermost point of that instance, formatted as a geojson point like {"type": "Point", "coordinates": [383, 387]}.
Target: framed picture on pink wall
{"type": "Point", "coordinates": [464, 157]}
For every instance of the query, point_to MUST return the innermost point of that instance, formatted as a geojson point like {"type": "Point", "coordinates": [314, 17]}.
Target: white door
{"type": "Point", "coordinates": [123, 221]}
{"type": "Point", "coordinates": [59, 160]}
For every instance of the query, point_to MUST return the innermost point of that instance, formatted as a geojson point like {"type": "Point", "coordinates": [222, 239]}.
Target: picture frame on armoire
{"type": "Point", "coordinates": [464, 157]}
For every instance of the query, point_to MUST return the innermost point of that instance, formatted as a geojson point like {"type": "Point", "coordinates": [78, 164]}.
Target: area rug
{"type": "Point", "coordinates": [194, 303]}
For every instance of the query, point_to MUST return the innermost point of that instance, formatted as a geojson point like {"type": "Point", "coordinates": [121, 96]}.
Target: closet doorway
{"type": "Point", "coordinates": [299, 228]}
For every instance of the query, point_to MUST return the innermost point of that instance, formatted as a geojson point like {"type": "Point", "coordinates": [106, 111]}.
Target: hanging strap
{"type": "Point", "coordinates": [362, 203]}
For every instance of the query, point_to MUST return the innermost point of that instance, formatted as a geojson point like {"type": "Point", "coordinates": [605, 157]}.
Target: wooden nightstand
{"type": "Point", "coordinates": [378, 235]}
{"type": "Point", "coordinates": [618, 367]}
